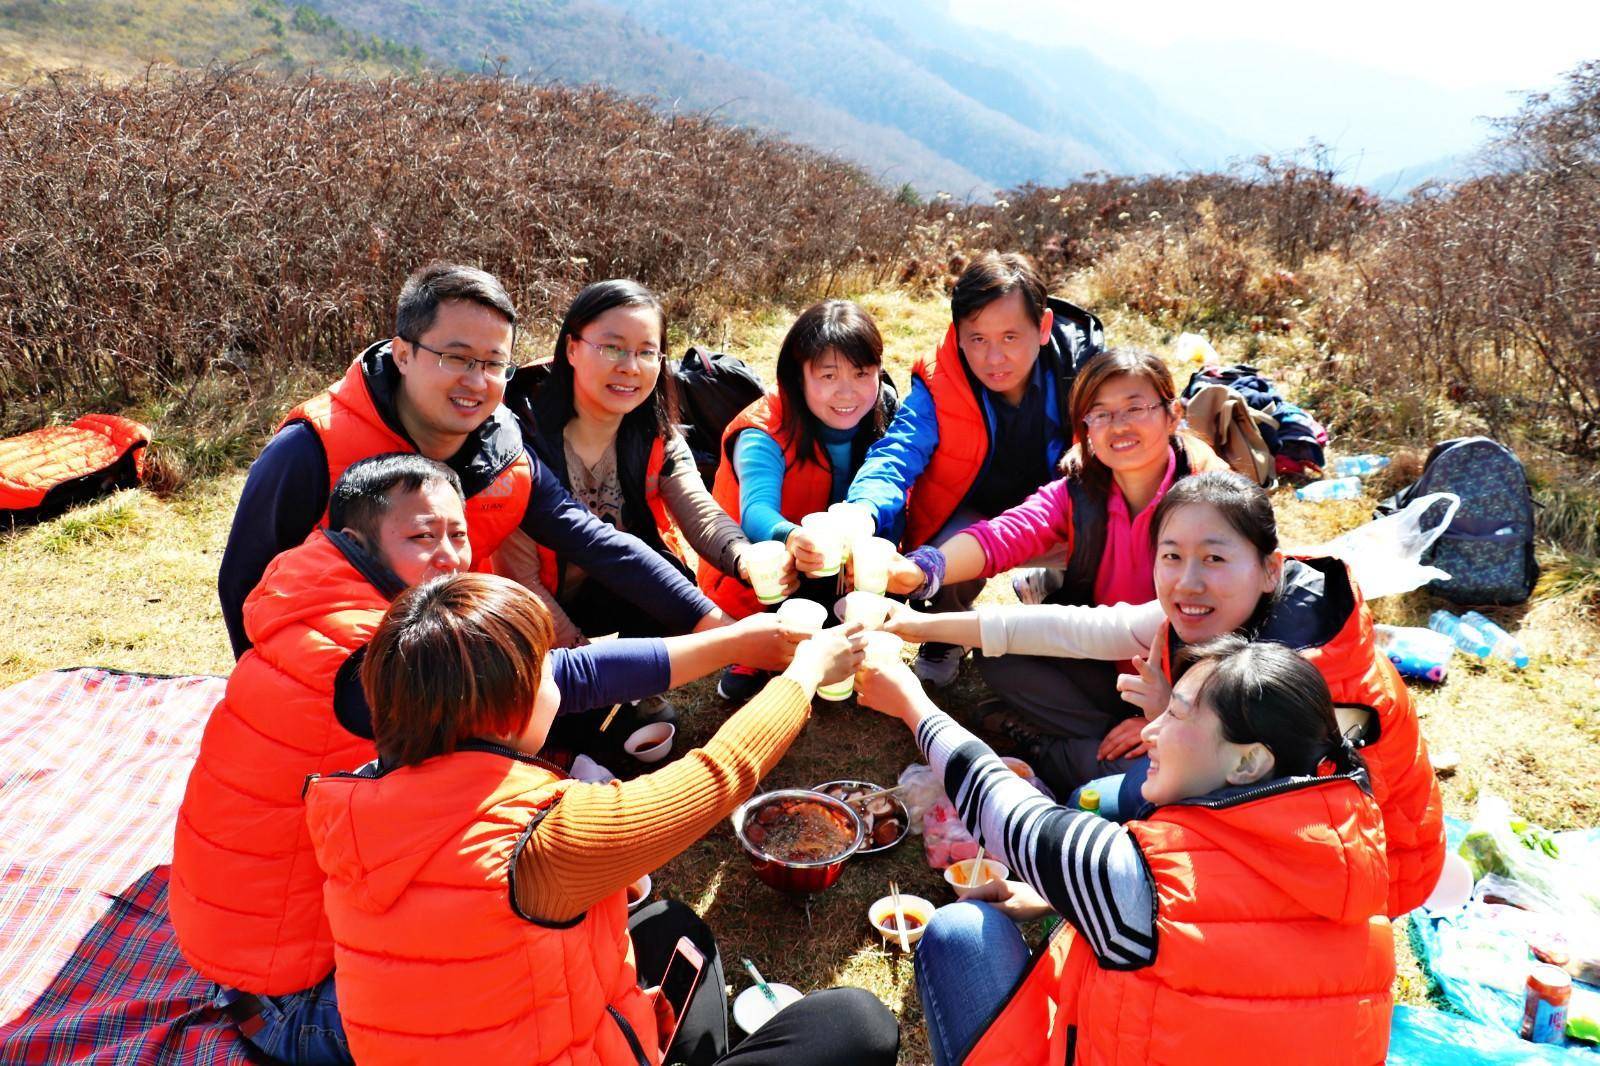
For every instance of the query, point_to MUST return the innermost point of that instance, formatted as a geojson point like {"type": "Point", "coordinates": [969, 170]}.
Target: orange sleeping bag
{"type": "Point", "coordinates": [48, 470]}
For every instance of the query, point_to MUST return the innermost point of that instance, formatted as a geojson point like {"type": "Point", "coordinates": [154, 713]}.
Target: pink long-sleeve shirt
{"type": "Point", "coordinates": [1043, 522]}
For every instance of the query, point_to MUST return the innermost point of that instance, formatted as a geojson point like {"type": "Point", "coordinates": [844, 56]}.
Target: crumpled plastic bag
{"type": "Point", "coordinates": [944, 836]}
{"type": "Point", "coordinates": [1385, 555]}
{"type": "Point", "coordinates": [919, 790]}
{"type": "Point", "coordinates": [1194, 349]}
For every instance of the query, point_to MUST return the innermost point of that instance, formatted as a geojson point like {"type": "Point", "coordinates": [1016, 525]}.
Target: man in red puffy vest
{"type": "Point", "coordinates": [985, 423]}
{"type": "Point", "coordinates": [435, 388]}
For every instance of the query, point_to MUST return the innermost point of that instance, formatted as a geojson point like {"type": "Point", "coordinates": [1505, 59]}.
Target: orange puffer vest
{"type": "Point", "coordinates": [550, 564]}
{"type": "Point", "coordinates": [433, 964]}
{"type": "Point", "coordinates": [807, 483]}
{"type": "Point", "coordinates": [963, 443]}
{"type": "Point", "coordinates": [348, 422]}
{"type": "Point", "coordinates": [246, 895]}
{"type": "Point", "coordinates": [1270, 945]}
{"type": "Point", "coordinates": [1403, 783]}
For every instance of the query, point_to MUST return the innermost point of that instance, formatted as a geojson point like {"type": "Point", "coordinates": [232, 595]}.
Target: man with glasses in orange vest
{"type": "Point", "coordinates": [435, 388]}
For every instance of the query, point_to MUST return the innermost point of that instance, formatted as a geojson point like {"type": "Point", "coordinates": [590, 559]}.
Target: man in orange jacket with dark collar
{"type": "Point", "coordinates": [435, 388]}
{"type": "Point", "coordinates": [985, 423]}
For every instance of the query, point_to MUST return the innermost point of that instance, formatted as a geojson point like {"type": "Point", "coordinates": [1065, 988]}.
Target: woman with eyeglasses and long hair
{"type": "Point", "coordinates": [1094, 521]}
{"type": "Point", "coordinates": [603, 417]}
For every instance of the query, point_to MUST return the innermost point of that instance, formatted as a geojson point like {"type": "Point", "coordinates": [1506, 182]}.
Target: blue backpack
{"type": "Point", "coordinates": [1488, 547]}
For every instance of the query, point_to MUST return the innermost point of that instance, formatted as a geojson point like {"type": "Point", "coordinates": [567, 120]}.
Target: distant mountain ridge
{"type": "Point", "coordinates": [904, 90]}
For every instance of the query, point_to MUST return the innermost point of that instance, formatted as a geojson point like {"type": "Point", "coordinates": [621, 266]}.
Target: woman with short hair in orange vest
{"type": "Point", "coordinates": [1218, 571]}
{"type": "Point", "coordinates": [794, 452]}
{"type": "Point", "coordinates": [1093, 525]}
{"type": "Point", "coordinates": [477, 896]}
{"type": "Point", "coordinates": [1238, 921]}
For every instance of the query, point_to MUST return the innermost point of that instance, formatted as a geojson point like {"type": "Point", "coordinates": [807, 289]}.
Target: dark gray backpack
{"type": "Point", "coordinates": [1488, 547]}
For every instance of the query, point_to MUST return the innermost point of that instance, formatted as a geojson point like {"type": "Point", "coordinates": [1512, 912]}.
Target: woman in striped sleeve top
{"type": "Point", "coordinates": [1239, 921]}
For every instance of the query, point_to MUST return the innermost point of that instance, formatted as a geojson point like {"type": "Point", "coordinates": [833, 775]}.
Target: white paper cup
{"type": "Point", "coordinates": [872, 555]}
{"type": "Point", "coordinates": [808, 615]}
{"type": "Point", "coordinates": [651, 743]}
{"type": "Point", "coordinates": [868, 608]}
{"type": "Point", "coordinates": [828, 532]}
{"type": "Point", "coordinates": [856, 520]}
{"type": "Point", "coordinates": [765, 561]}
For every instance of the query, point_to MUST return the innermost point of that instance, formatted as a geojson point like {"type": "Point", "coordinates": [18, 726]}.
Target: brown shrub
{"type": "Point", "coordinates": [155, 233]}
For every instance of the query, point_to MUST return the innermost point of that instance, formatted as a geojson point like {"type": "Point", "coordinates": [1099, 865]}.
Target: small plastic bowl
{"type": "Point", "coordinates": [651, 743]}
{"type": "Point", "coordinates": [639, 893]}
{"type": "Point", "coordinates": [881, 915]}
{"type": "Point", "coordinates": [1018, 766]}
{"type": "Point", "coordinates": [957, 874]}
{"type": "Point", "coordinates": [752, 1010]}
{"type": "Point", "coordinates": [1454, 888]}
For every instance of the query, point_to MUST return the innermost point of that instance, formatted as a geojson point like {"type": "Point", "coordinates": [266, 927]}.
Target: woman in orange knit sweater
{"type": "Point", "coordinates": [477, 896]}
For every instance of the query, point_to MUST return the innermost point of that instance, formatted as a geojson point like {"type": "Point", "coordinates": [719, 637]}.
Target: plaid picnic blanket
{"type": "Point", "coordinates": [126, 997]}
{"type": "Point", "coordinates": [92, 767]}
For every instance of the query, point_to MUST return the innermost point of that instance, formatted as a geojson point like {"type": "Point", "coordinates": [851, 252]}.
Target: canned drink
{"type": "Point", "coordinates": [1544, 1007]}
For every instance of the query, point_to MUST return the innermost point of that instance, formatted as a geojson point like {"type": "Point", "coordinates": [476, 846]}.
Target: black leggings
{"type": "Point", "coordinates": [834, 1027]}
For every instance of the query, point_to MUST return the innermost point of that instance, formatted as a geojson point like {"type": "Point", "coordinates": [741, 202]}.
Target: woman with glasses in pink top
{"type": "Point", "coordinates": [1091, 530]}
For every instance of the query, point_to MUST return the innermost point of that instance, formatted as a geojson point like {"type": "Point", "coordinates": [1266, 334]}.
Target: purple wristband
{"type": "Point", "coordinates": [931, 562]}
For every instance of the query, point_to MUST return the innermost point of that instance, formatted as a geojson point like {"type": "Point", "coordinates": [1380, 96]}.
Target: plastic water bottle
{"type": "Point", "coordinates": [1420, 654]}
{"type": "Point", "coordinates": [1466, 637]}
{"type": "Point", "coordinates": [1358, 465]}
{"type": "Point", "coordinates": [1502, 644]}
{"type": "Point", "coordinates": [1341, 488]}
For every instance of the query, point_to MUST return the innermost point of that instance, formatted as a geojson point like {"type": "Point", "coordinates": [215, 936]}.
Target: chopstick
{"type": "Point", "coordinates": [875, 795]}
{"type": "Point", "coordinates": [899, 916]}
{"type": "Point", "coordinates": [613, 713]}
{"type": "Point", "coordinates": [977, 865]}
{"type": "Point", "coordinates": [761, 982]}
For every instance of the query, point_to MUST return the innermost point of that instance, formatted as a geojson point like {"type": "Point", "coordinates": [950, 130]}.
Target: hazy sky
{"type": "Point", "coordinates": [1503, 46]}
{"type": "Point", "coordinates": [1386, 84]}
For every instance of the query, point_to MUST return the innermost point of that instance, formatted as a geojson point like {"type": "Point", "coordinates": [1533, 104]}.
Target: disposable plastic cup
{"type": "Point", "coordinates": [872, 555]}
{"type": "Point", "coordinates": [868, 608]}
{"type": "Point", "coordinates": [856, 521]}
{"type": "Point", "coordinates": [883, 648]}
{"type": "Point", "coordinates": [764, 561]}
{"type": "Point", "coordinates": [828, 532]}
{"type": "Point", "coordinates": [808, 615]}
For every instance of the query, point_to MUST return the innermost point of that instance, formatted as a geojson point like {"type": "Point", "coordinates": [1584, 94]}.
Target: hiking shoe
{"type": "Point", "coordinates": [936, 665]}
{"type": "Point", "coordinates": [1035, 584]}
{"type": "Point", "coordinates": [740, 684]}
{"type": "Point", "coordinates": [997, 719]}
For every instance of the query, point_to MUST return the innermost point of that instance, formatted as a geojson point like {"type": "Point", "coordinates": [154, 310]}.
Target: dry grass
{"type": "Point", "coordinates": [129, 582]}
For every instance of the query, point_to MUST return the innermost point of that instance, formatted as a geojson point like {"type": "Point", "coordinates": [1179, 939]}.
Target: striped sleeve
{"type": "Point", "coordinates": [1090, 870]}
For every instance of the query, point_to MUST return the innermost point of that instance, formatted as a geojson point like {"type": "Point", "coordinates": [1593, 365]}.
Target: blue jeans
{"type": "Point", "coordinates": [969, 962]}
{"type": "Point", "coordinates": [301, 1028]}
{"type": "Point", "coordinates": [1121, 795]}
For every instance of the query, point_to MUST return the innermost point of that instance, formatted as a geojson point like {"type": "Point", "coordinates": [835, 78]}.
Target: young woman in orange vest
{"type": "Point", "coordinates": [1239, 921]}
{"type": "Point", "coordinates": [794, 451]}
{"type": "Point", "coordinates": [1094, 522]}
{"type": "Point", "coordinates": [457, 859]}
{"type": "Point", "coordinates": [1218, 571]}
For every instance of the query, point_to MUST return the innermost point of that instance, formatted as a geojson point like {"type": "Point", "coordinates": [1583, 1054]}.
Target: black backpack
{"type": "Point", "coordinates": [1488, 547]}
{"type": "Point", "coordinates": [713, 387]}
